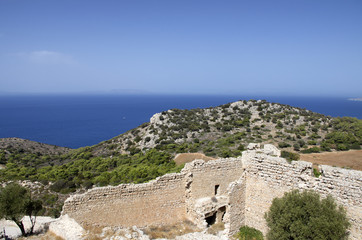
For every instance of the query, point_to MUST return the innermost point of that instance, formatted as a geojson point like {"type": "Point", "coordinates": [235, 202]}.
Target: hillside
{"type": "Point", "coordinates": [223, 131]}
{"type": "Point", "coordinates": [30, 153]}
{"type": "Point", "coordinates": [24, 145]}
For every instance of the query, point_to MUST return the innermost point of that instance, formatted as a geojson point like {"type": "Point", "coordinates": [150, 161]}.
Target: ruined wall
{"type": "Point", "coordinates": [207, 175]}
{"type": "Point", "coordinates": [207, 186]}
{"type": "Point", "coordinates": [236, 214]}
{"type": "Point", "coordinates": [269, 177]}
{"type": "Point", "coordinates": [245, 189]}
{"type": "Point", "coordinates": [161, 201]}
{"type": "Point", "coordinates": [168, 199]}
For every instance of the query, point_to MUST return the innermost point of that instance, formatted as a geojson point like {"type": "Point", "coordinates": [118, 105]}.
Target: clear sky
{"type": "Point", "coordinates": [301, 47]}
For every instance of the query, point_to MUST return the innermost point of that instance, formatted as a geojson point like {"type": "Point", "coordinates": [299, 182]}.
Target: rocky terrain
{"type": "Point", "coordinates": [223, 131]}
{"type": "Point", "coordinates": [30, 153]}
{"type": "Point", "coordinates": [27, 146]}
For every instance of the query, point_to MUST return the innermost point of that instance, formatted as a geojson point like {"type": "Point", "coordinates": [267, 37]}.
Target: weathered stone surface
{"type": "Point", "coordinates": [237, 191]}
{"type": "Point", "coordinates": [66, 228]}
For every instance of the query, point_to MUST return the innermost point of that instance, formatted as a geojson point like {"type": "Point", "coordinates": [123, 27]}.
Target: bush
{"type": "Point", "coordinates": [290, 156]}
{"type": "Point", "coordinates": [311, 150]}
{"type": "Point", "coordinates": [303, 215]}
{"type": "Point", "coordinates": [316, 172]}
{"type": "Point", "coordinates": [249, 233]}
{"type": "Point", "coordinates": [283, 145]}
{"type": "Point", "coordinates": [355, 146]}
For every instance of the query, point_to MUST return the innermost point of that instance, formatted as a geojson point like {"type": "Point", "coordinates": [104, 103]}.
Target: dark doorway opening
{"type": "Point", "coordinates": [211, 219]}
{"type": "Point", "coordinates": [217, 189]}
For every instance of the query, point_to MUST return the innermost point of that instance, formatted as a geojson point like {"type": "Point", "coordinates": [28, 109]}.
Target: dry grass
{"type": "Point", "coordinates": [349, 159]}
{"type": "Point", "coordinates": [182, 158]}
{"type": "Point", "coordinates": [45, 236]}
{"type": "Point", "coordinates": [171, 231]}
{"type": "Point", "coordinates": [93, 231]}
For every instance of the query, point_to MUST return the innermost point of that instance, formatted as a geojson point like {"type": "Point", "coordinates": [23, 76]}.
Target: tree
{"type": "Point", "coordinates": [15, 203]}
{"type": "Point", "coordinates": [303, 215]}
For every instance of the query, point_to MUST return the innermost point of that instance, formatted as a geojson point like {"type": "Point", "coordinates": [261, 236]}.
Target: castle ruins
{"type": "Point", "coordinates": [235, 191]}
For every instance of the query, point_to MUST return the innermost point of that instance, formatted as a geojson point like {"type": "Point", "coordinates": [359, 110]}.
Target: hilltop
{"type": "Point", "coordinates": [27, 146]}
{"type": "Point", "coordinates": [225, 130]}
{"type": "Point", "coordinates": [29, 153]}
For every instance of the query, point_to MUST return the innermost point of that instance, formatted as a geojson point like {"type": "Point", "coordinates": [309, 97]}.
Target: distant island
{"type": "Point", "coordinates": [355, 99]}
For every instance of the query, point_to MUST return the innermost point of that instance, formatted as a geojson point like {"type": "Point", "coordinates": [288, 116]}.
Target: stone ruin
{"type": "Point", "coordinates": [235, 191]}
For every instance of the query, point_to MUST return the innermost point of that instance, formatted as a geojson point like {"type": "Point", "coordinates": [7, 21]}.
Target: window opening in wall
{"type": "Point", "coordinates": [211, 219]}
{"type": "Point", "coordinates": [217, 189]}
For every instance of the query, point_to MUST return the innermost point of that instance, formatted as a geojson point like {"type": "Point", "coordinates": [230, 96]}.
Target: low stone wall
{"type": "Point", "coordinates": [269, 177]}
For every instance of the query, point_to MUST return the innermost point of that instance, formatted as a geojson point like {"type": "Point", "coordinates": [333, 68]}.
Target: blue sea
{"type": "Point", "coordinates": [84, 120]}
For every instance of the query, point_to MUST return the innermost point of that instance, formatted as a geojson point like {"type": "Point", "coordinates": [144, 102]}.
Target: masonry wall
{"type": "Point", "coordinates": [269, 177]}
{"type": "Point", "coordinates": [246, 189]}
{"type": "Point", "coordinates": [202, 177]}
{"type": "Point", "coordinates": [158, 202]}
{"type": "Point", "coordinates": [236, 214]}
{"type": "Point", "coordinates": [206, 175]}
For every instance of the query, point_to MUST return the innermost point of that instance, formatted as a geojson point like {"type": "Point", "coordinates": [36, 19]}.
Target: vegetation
{"type": "Point", "coordinates": [86, 170]}
{"type": "Point", "coordinates": [290, 156]}
{"type": "Point", "coordinates": [249, 233]}
{"type": "Point", "coordinates": [303, 215]}
{"type": "Point", "coordinates": [220, 131]}
{"type": "Point", "coordinates": [15, 203]}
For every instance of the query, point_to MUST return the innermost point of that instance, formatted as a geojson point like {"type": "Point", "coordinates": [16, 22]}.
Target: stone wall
{"type": "Point", "coordinates": [207, 175]}
{"type": "Point", "coordinates": [268, 177]}
{"type": "Point", "coordinates": [208, 187]}
{"type": "Point", "coordinates": [159, 202]}
{"type": "Point", "coordinates": [236, 214]}
{"type": "Point", "coordinates": [237, 191]}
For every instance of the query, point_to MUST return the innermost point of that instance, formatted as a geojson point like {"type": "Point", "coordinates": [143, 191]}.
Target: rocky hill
{"type": "Point", "coordinates": [223, 131]}
{"type": "Point", "coordinates": [30, 152]}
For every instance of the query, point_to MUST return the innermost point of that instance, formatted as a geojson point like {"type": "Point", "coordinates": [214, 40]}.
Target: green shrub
{"type": "Point", "coordinates": [296, 147]}
{"type": "Point", "coordinates": [342, 147]}
{"type": "Point", "coordinates": [303, 215]}
{"type": "Point", "coordinates": [283, 145]}
{"type": "Point", "coordinates": [249, 233]}
{"type": "Point", "coordinates": [290, 156]}
{"type": "Point", "coordinates": [355, 146]}
{"type": "Point", "coordinates": [311, 150]}
{"type": "Point", "coordinates": [316, 172]}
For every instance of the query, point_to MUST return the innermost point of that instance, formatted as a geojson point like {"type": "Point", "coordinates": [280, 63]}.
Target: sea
{"type": "Point", "coordinates": [83, 120]}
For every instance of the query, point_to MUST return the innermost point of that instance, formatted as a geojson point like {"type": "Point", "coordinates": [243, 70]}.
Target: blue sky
{"type": "Point", "coordinates": [274, 47]}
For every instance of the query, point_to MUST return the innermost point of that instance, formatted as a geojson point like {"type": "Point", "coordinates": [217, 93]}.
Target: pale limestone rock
{"type": "Point", "coordinates": [272, 150]}
{"type": "Point", "coordinates": [253, 146]}
{"type": "Point", "coordinates": [67, 228]}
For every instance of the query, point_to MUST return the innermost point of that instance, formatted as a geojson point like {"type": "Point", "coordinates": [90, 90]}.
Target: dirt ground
{"type": "Point", "coordinates": [349, 159]}
{"type": "Point", "coordinates": [345, 159]}
{"type": "Point", "coordinates": [189, 157]}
